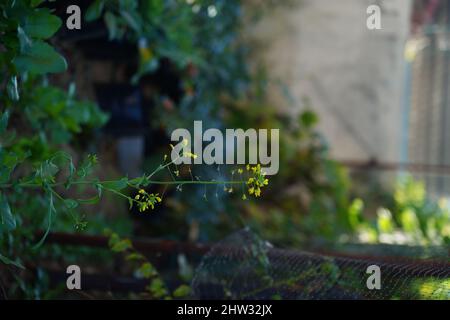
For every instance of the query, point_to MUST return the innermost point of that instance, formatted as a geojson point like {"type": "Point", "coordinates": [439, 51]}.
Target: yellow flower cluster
{"type": "Point", "coordinates": [146, 200]}
{"type": "Point", "coordinates": [257, 181]}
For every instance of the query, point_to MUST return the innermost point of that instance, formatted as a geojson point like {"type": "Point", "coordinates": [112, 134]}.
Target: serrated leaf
{"type": "Point", "coordinates": [40, 58]}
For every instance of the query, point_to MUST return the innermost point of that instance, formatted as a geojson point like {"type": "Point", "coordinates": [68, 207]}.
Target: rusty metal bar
{"type": "Point", "coordinates": [395, 166]}
{"type": "Point", "coordinates": [143, 245]}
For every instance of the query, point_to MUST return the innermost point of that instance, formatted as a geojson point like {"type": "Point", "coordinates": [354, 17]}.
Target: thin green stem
{"type": "Point", "coordinates": [85, 182]}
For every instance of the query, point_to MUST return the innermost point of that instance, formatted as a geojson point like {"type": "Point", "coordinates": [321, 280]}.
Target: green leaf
{"type": "Point", "coordinates": [47, 171]}
{"type": "Point", "coordinates": [111, 24]}
{"type": "Point", "coordinates": [24, 41]}
{"type": "Point", "coordinates": [182, 291]}
{"type": "Point", "coordinates": [308, 119]}
{"type": "Point", "coordinates": [128, 4]}
{"type": "Point", "coordinates": [384, 221]}
{"type": "Point", "coordinates": [12, 89]}
{"type": "Point", "coordinates": [141, 181]}
{"type": "Point", "coordinates": [95, 10]}
{"type": "Point", "coordinates": [116, 185]}
{"type": "Point", "coordinates": [4, 121]}
{"type": "Point", "coordinates": [35, 3]}
{"type": "Point", "coordinates": [134, 256]}
{"type": "Point", "coordinates": [41, 58]}
{"type": "Point", "coordinates": [132, 19]}
{"type": "Point", "coordinates": [147, 270]}
{"type": "Point", "coordinates": [51, 210]}
{"type": "Point", "coordinates": [157, 288]}
{"type": "Point", "coordinates": [7, 220]}
{"type": "Point", "coordinates": [41, 24]}
{"type": "Point", "coordinates": [71, 203]}
{"type": "Point", "coordinates": [8, 161]}
{"type": "Point", "coordinates": [6, 260]}
{"type": "Point", "coordinates": [93, 200]}
{"type": "Point", "coordinates": [86, 167]}
{"type": "Point", "coordinates": [121, 245]}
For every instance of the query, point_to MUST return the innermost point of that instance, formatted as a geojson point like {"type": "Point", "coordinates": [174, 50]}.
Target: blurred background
{"type": "Point", "coordinates": [363, 116]}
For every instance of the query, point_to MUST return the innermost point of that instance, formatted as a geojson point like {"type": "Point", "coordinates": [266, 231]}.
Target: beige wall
{"type": "Point", "coordinates": [353, 77]}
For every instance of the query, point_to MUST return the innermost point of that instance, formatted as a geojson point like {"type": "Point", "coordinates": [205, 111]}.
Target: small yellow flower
{"type": "Point", "coordinates": [256, 181]}
{"type": "Point", "coordinates": [146, 54]}
{"type": "Point", "coordinates": [240, 171]}
{"type": "Point", "coordinates": [244, 197]}
{"type": "Point", "coordinates": [145, 200]}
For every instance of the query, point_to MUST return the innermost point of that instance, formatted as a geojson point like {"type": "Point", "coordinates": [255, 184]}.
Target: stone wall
{"type": "Point", "coordinates": [353, 76]}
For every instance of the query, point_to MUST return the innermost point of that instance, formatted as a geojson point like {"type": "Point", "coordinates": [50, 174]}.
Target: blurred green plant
{"type": "Point", "coordinates": [317, 202]}
{"type": "Point", "coordinates": [316, 190]}
{"type": "Point", "coordinates": [412, 219]}
{"type": "Point", "coordinates": [38, 121]}
{"type": "Point", "coordinates": [202, 40]}
{"type": "Point", "coordinates": [143, 268]}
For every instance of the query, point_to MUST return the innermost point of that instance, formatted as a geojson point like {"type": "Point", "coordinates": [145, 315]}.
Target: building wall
{"type": "Point", "coordinates": [352, 76]}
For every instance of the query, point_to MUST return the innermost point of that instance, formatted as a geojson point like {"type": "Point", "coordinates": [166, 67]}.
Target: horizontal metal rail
{"type": "Point", "coordinates": [396, 166]}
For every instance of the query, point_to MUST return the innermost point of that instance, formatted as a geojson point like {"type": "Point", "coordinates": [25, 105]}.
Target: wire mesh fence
{"type": "Point", "coordinates": [244, 266]}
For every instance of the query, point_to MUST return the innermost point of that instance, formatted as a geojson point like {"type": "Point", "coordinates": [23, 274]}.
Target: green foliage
{"type": "Point", "coordinates": [37, 118]}
{"type": "Point", "coordinates": [412, 218]}
{"type": "Point", "coordinates": [317, 203]}
{"type": "Point", "coordinates": [429, 288]}
{"type": "Point", "coordinates": [7, 219]}
{"type": "Point", "coordinates": [162, 28]}
{"type": "Point", "coordinates": [24, 30]}
{"type": "Point", "coordinates": [156, 289]}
